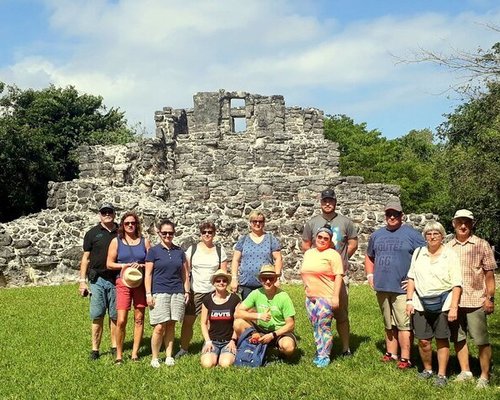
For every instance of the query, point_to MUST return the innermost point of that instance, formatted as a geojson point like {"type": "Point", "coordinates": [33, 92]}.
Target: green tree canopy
{"type": "Point", "coordinates": [39, 131]}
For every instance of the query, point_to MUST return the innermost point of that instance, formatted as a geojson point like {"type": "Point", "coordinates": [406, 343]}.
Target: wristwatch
{"type": "Point", "coordinates": [492, 299]}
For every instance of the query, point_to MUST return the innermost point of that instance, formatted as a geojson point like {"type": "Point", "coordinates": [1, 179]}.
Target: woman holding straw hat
{"type": "Point", "coordinates": [127, 253]}
{"type": "Point", "coordinates": [217, 317]}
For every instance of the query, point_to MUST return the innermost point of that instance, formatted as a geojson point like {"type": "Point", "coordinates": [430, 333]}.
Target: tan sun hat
{"type": "Point", "coordinates": [267, 270]}
{"type": "Point", "coordinates": [132, 277]}
{"type": "Point", "coordinates": [220, 273]}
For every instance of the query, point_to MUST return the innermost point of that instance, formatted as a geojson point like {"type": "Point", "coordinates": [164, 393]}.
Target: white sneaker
{"type": "Point", "coordinates": [181, 353]}
{"type": "Point", "coordinates": [155, 363]}
{"type": "Point", "coordinates": [482, 383]}
{"type": "Point", "coordinates": [464, 376]}
{"type": "Point", "coordinates": [169, 361]}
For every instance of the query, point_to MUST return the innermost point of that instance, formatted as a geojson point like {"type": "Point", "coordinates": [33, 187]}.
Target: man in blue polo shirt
{"type": "Point", "coordinates": [101, 280]}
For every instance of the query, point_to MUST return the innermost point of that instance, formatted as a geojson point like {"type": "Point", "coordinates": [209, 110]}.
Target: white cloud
{"type": "Point", "coordinates": [142, 55]}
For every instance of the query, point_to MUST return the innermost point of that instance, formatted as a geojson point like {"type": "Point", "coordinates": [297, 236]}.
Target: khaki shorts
{"type": "Point", "coordinates": [472, 321]}
{"type": "Point", "coordinates": [393, 307]}
{"type": "Point", "coordinates": [193, 307]}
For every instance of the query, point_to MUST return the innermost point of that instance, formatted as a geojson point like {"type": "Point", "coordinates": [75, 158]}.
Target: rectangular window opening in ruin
{"type": "Point", "coordinates": [239, 125]}
{"type": "Point", "coordinates": [237, 103]}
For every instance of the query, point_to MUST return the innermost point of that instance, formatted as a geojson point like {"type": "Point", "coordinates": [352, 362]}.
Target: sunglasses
{"type": "Point", "coordinates": [391, 214]}
{"type": "Point", "coordinates": [267, 278]}
{"type": "Point", "coordinates": [167, 233]}
{"type": "Point", "coordinates": [207, 232]}
{"type": "Point", "coordinates": [325, 238]}
{"type": "Point", "coordinates": [257, 221]}
{"type": "Point", "coordinates": [130, 223]}
{"type": "Point", "coordinates": [107, 212]}
{"type": "Point", "coordinates": [220, 280]}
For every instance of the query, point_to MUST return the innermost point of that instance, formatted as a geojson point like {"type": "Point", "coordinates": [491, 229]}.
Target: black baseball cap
{"type": "Point", "coordinates": [328, 194]}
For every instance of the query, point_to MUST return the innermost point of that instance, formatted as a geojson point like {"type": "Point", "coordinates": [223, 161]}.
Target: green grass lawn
{"type": "Point", "coordinates": [45, 342]}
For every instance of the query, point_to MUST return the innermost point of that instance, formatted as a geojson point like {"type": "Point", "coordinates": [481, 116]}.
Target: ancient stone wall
{"type": "Point", "coordinates": [199, 167]}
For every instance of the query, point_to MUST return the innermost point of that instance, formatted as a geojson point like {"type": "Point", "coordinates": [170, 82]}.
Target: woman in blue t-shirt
{"type": "Point", "coordinates": [252, 251]}
{"type": "Point", "coordinates": [167, 290]}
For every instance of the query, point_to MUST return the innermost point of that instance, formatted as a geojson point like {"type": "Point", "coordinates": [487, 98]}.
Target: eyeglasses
{"type": "Point", "coordinates": [106, 212]}
{"type": "Point", "coordinates": [167, 233]}
{"type": "Point", "coordinates": [393, 214]}
{"type": "Point", "coordinates": [220, 280]}
{"type": "Point", "coordinates": [267, 278]}
{"type": "Point", "coordinates": [257, 221]}
{"type": "Point", "coordinates": [325, 238]}
{"type": "Point", "coordinates": [207, 232]}
{"type": "Point", "coordinates": [432, 234]}
{"type": "Point", "coordinates": [130, 223]}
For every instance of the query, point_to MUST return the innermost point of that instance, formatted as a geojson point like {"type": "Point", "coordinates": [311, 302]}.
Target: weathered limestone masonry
{"type": "Point", "coordinates": [199, 167]}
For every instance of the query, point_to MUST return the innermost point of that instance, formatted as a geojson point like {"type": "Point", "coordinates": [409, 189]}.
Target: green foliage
{"type": "Point", "coordinates": [40, 129]}
{"type": "Point", "coordinates": [409, 162]}
{"type": "Point", "coordinates": [45, 342]}
{"type": "Point", "coordinates": [472, 156]}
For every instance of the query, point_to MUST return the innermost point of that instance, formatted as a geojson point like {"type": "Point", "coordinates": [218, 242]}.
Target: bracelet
{"type": "Point", "coordinates": [275, 335]}
{"type": "Point", "coordinates": [258, 316]}
{"type": "Point", "coordinates": [208, 342]}
{"type": "Point", "coordinates": [233, 340]}
{"type": "Point", "coordinates": [148, 294]}
{"type": "Point", "coordinates": [82, 280]}
{"type": "Point", "coordinates": [368, 276]}
{"type": "Point", "coordinates": [409, 301]}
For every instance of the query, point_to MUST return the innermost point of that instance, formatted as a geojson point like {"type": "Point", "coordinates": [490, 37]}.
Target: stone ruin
{"type": "Point", "coordinates": [232, 153]}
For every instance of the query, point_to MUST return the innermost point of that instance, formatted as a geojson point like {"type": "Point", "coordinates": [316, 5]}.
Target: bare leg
{"type": "Point", "coordinates": [226, 360]}
{"type": "Point", "coordinates": [169, 337]}
{"type": "Point", "coordinates": [240, 325]}
{"type": "Point", "coordinates": [187, 331]}
{"type": "Point", "coordinates": [443, 354]}
{"type": "Point", "coordinates": [391, 341]}
{"type": "Point", "coordinates": [404, 338]}
{"type": "Point", "coordinates": [97, 325]}
{"type": "Point", "coordinates": [157, 339]}
{"type": "Point", "coordinates": [462, 352]}
{"type": "Point", "coordinates": [112, 331]}
{"type": "Point", "coordinates": [208, 360]}
{"type": "Point", "coordinates": [485, 360]}
{"type": "Point", "coordinates": [286, 346]}
{"type": "Point", "coordinates": [343, 331]}
{"type": "Point", "coordinates": [425, 350]}
{"type": "Point", "coordinates": [138, 331]}
{"type": "Point", "coordinates": [121, 325]}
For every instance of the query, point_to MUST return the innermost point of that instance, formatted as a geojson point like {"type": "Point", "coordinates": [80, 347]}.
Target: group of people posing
{"type": "Point", "coordinates": [422, 287]}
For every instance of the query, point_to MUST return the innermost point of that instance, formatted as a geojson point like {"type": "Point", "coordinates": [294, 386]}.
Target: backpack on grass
{"type": "Point", "coordinates": [249, 354]}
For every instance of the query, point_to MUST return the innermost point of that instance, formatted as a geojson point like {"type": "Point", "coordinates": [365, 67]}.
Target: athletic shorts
{"type": "Point", "coordinates": [125, 296]}
{"type": "Point", "coordinates": [393, 308]}
{"type": "Point", "coordinates": [472, 321]}
{"type": "Point", "coordinates": [102, 298]}
{"type": "Point", "coordinates": [168, 307]}
{"type": "Point", "coordinates": [427, 325]}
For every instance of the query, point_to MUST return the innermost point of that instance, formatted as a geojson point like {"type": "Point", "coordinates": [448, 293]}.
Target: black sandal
{"type": "Point", "coordinates": [118, 361]}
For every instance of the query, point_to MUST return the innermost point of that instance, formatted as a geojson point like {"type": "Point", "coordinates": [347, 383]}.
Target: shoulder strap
{"type": "Point", "coordinates": [219, 253]}
{"type": "Point", "coordinates": [418, 253]}
{"type": "Point", "coordinates": [193, 250]}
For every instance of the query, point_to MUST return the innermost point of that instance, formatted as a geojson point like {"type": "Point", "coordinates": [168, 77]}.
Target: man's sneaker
{"type": "Point", "coordinates": [404, 363]}
{"type": "Point", "coordinates": [441, 381]}
{"type": "Point", "coordinates": [464, 376]}
{"type": "Point", "coordinates": [346, 353]}
{"type": "Point", "coordinates": [482, 383]}
{"type": "Point", "coordinates": [425, 374]}
{"type": "Point", "coordinates": [169, 361]}
{"type": "Point", "coordinates": [323, 362]}
{"type": "Point", "coordinates": [94, 355]}
{"type": "Point", "coordinates": [181, 353]}
{"type": "Point", "coordinates": [388, 357]}
{"type": "Point", "coordinates": [155, 363]}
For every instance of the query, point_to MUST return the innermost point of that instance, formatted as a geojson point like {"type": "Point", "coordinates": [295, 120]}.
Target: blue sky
{"type": "Point", "coordinates": [338, 56]}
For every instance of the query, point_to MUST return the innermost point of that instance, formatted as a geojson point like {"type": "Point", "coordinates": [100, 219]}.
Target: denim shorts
{"type": "Point", "coordinates": [102, 298]}
{"type": "Point", "coordinates": [220, 347]}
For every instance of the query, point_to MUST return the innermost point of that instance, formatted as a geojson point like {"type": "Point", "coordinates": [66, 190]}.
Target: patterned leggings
{"type": "Point", "coordinates": [320, 314]}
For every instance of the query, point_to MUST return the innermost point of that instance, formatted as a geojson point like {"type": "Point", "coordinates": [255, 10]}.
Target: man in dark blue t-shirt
{"type": "Point", "coordinates": [387, 262]}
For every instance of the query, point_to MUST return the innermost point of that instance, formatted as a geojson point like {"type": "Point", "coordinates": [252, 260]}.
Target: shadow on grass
{"type": "Point", "coordinates": [354, 342]}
